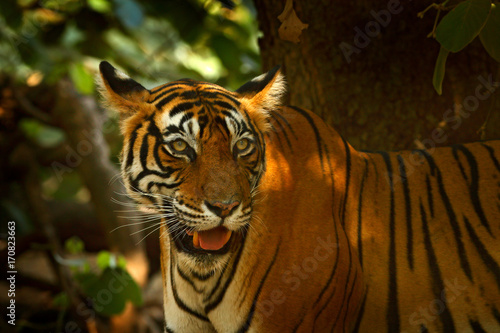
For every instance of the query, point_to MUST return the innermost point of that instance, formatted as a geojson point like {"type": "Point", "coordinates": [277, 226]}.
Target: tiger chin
{"type": "Point", "coordinates": [272, 222]}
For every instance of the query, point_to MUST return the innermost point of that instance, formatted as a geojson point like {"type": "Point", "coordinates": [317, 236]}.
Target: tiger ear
{"type": "Point", "coordinates": [264, 93]}
{"type": "Point", "coordinates": [120, 92]}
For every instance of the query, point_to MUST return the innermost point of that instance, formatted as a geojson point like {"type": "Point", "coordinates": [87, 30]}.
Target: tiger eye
{"type": "Point", "coordinates": [242, 144]}
{"type": "Point", "coordinates": [179, 145]}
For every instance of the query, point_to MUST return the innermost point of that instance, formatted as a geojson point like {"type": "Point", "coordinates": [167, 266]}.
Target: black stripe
{"type": "Point", "coordinates": [462, 254]}
{"type": "Point", "coordinates": [218, 93]}
{"type": "Point", "coordinates": [216, 286]}
{"type": "Point", "coordinates": [496, 314]}
{"type": "Point", "coordinates": [392, 316]}
{"type": "Point", "coordinates": [360, 314]}
{"type": "Point", "coordinates": [273, 129]}
{"type": "Point", "coordinates": [409, 227]}
{"type": "Point", "coordinates": [202, 277]}
{"type": "Point", "coordinates": [166, 100]}
{"type": "Point", "coordinates": [144, 152]}
{"type": "Point", "coordinates": [168, 330]}
{"type": "Point", "coordinates": [486, 257]}
{"type": "Point", "coordinates": [225, 105]}
{"type": "Point", "coordinates": [319, 141]}
{"type": "Point", "coordinates": [182, 107]}
{"type": "Point", "coordinates": [328, 300]}
{"type": "Point", "coordinates": [437, 280]}
{"type": "Point", "coordinates": [277, 114]}
{"type": "Point", "coordinates": [476, 326]}
{"type": "Point", "coordinates": [299, 323]}
{"type": "Point", "coordinates": [491, 151]}
{"type": "Point", "coordinates": [283, 131]}
{"type": "Point", "coordinates": [335, 232]}
{"type": "Point", "coordinates": [179, 302]}
{"type": "Point", "coordinates": [187, 279]}
{"type": "Point", "coordinates": [345, 324]}
{"type": "Point", "coordinates": [130, 154]}
{"type": "Point", "coordinates": [459, 163]}
{"type": "Point", "coordinates": [156, 90]}
{"type": "Point", "coordinates": [165, 92]}
{"type": "Point", "coordinates": [474, 186]}
{"type": "Point", "coordinates": [188, 116]}
{"type": "Point", "coordinates": [210, 306]}
{"type": "Point", "coordinates": [251, 313]}
{"type": "Point", "coordinates": [347, 178]}
{"type": "Point", "coordinates": [430, 199]}
{"type": "Point", "coordinates": [360, 213]}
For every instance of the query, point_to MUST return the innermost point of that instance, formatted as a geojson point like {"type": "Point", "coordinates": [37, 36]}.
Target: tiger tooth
{"type": "Point", "coordinates": [196, 240]}
{"type": "Point", "coordinates": [228, 235]}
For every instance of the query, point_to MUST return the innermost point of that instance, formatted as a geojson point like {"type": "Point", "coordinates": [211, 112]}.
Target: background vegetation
{"type": "Point", "coordinates": [59, 149]}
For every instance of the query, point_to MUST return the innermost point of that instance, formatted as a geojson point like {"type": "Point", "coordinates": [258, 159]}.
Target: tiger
{"type": "Point", "coordinates": [273, 222]}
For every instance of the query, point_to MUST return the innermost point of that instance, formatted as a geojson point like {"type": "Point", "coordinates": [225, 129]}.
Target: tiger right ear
{"type": "Point", "coordinates": [120, 92]}
{"type": "Point", "coordinates": [262, 95]}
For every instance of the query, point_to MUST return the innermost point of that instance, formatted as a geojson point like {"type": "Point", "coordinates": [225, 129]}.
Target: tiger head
{"type": "Point", "coordinates": [194, 152]}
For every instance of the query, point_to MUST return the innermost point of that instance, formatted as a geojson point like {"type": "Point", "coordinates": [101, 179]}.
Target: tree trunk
{"type": "Point", "coordinates": [367, 69]}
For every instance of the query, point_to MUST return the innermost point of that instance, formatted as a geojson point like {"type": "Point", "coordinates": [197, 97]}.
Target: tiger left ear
{"type": "Point", "coordinates": [264, 94]}
{"type": "Point", "coordinates": [120, 92]}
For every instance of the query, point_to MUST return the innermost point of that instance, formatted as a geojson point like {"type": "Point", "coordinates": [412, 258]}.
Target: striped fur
{"type": "Point", "coordinates": [326, 238]}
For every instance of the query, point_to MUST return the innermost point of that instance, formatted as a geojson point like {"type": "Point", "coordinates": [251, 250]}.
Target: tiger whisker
{"type": "Point", "coordinates": [149, 227]}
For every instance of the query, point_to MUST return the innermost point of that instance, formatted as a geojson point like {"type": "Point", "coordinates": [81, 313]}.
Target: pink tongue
{"type": "Point", "coordinates": [213, 239]}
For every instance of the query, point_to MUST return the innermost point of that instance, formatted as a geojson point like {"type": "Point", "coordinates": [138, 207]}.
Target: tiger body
{"type": "Point", "coordinates": [322, 237]}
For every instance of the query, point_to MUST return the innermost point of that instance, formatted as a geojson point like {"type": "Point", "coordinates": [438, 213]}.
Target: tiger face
{"type": "Point", "coordinates": [194, 153]}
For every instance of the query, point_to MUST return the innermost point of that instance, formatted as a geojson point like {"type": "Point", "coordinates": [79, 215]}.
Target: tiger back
{"type": "Point", "coordinates": [271, 222]}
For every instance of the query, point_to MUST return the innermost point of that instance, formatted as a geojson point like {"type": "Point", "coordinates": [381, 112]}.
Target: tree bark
{"type": "Point", "coordinates": [380, 96]}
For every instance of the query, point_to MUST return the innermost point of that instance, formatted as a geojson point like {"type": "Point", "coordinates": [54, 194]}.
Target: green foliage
{"type": "Point", "coordinates": [107, 259]}
{"type": "Point", "coordinates": [460, 27]}
{"type": "Point", "coordinates": [81, 77]}
{"type": "Point", "coordinates": [109, 286]}
{"type": "Point", "coordinates": [439, 69]}
{"type": "Point", "coordinates": [111, 290]}
{"type": "Point", "coordinates": [156, 41]}
{"type": "Point", "coordinates": [74, 245]}
{"type": "Point", "coordinates": [45, 136]}
{"type": "Point", "coordinates": [490, 34]}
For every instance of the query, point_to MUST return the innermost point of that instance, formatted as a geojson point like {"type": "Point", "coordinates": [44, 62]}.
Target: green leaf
{"type": "Point", "coordinates": [129, 12]}
{"type": "Point", "coordinates": [227, 51]}
{"type": "Point", "coordinates": [84, 82]}
{"type": "Point", "coordinates": [110, 291]}
{"type": "Point", "coordinates": [106, 259]}
{"type": "Point", "coordinates": [100, 6]}
{"type": "Point", "coordinates": [61, 300]}
{"type": "Point", "coordinates": [490, 35]}
{"type": "Point", "coordinates": [460, 26]}
{"type": "Point", "coordinates": [122, 263]}
{"type": "Point", "coordinates": [45, 136]}
{"type": "Point", "coordinates": [439, 69]}
{"type": "Point", "coordinates": [74, 245]}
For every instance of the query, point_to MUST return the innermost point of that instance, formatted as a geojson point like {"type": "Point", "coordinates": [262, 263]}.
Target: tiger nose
{"type": "Point", "coordinates": [222, 209]}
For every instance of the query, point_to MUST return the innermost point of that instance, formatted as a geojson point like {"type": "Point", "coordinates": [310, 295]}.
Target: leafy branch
{"type": "Point", "coordinates": [458, 28]}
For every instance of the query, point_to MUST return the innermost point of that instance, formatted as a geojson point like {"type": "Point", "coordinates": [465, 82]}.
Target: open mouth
{"type": "Point", "coordinates": [212, 241]}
